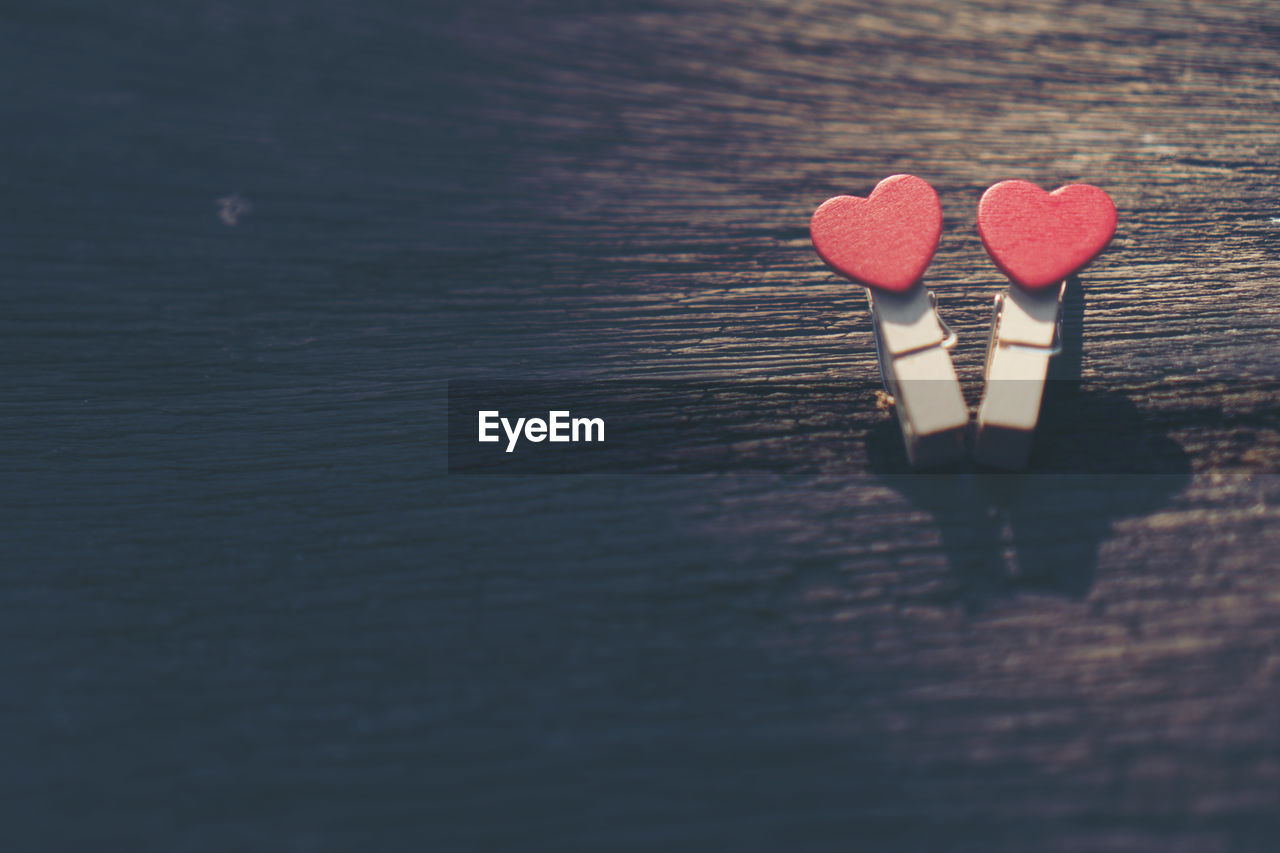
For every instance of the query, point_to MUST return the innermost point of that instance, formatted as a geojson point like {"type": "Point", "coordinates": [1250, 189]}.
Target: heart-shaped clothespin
{"type": "Point", "coordinates": [885, 242]}
{"type": "Point", "coordinates": [1038, 239]}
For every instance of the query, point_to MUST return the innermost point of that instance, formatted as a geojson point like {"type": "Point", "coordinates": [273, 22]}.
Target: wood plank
{"type": "Point", "coordinates": [246, 606]}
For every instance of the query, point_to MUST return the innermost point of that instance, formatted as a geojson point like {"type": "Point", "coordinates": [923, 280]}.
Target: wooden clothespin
{"type": "Point", "coordinates": [1038, 240]}
{"type": "Point", "coordinates": [885, 242]}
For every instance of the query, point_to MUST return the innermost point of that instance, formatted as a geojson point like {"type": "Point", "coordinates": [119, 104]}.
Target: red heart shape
{"type": "Point", "coordinates": [1038, 238]}
{"type": "Point", "coordinates": [885, 240]}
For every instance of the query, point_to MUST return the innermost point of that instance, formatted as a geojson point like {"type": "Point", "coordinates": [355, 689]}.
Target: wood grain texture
{"type": "Point", "coordinates": [245, 608]}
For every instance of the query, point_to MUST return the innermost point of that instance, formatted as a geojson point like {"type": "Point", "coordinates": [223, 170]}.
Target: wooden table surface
{"type": "Point", "coordinates": [246, 606]}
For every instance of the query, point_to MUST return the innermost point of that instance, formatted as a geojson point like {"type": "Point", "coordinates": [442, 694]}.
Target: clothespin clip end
{"type": "Point", "coordinates": [912, 344]}
{"type": "Point", "coordinates": [1025, 334]}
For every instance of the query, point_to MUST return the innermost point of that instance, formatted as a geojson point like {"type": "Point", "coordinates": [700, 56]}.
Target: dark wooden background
{"type": "Point", "coordinates": [245, 607]}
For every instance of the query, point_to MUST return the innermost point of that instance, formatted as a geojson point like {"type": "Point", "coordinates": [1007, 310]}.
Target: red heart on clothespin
{"type": "Point", "coordinates": [885, 240]}
{"type": "Point", "coordinates": [1038, 238]}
